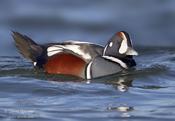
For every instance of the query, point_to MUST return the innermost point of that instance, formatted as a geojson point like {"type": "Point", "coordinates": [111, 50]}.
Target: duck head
{"type": "Point", "coordinates": [119, 46]}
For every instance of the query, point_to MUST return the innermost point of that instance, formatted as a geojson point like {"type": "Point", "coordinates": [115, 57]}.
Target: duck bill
{"type": "Point", "coordinates": [131, 51]}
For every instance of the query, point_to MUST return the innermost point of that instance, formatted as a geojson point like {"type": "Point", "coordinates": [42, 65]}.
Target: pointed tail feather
{"type": "Point", "coordinates": [27, 47]}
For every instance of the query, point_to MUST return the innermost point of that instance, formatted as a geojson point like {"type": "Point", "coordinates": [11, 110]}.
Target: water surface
{"type": "Point", "coordinates": [144, 94]}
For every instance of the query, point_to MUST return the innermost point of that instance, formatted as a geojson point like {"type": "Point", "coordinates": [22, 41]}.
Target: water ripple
{"type": "Point", "coordinates": [143, 93]}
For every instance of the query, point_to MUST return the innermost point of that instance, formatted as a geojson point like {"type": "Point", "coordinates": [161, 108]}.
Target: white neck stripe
{"type": "Point", "coordinates": [104, 51]}
{"type": "Point", "coordinates": [121, 63]}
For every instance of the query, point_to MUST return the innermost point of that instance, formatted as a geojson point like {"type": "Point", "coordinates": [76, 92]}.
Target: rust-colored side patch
{"type": "Point", "coordinates": [65, 63]}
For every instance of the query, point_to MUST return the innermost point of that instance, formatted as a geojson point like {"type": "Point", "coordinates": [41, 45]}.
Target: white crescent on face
{"type": "Point", "coordinates": [124, 45]}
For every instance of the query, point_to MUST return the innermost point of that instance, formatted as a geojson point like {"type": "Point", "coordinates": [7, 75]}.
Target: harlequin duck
{"type": "Point", "coordinates": [117, 56]}
{"type": "Point", "coordinates": [81, 59]}
{"type": "Point", "coordinates": [69, 57]}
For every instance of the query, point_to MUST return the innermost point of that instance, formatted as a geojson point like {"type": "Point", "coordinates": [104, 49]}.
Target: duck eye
{"type": "Point", "coordinates": [110, 44]}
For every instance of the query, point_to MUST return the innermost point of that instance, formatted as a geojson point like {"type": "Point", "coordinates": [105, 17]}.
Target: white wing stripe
{"type": "Point", "coordinates": [53, 48]}
{"type": "Point", "coordinates": [74, 48]}
{"type": "Point", "coordinates": [54, 52]}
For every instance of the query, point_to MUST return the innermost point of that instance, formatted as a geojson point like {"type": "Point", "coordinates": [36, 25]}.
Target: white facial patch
{"type": "Point", "coordinates": [124, 45]}
{"type": "Point", "coordinates": [34, 63]}
{"type": "Point", "coordinates": [110, 44]}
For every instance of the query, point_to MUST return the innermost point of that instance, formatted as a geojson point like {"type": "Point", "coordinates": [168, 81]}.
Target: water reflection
{"type": "Point", "coordinates": [124, 110]}
{"type": "Point", "coordinates": [121, 83]}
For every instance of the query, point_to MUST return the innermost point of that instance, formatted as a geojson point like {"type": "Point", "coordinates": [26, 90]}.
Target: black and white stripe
{"type": "Point", "coordinates": [76, 49]}
{"type": "Point", "coordinates": [116, 60]}
{"type": "Point", "coordinates": [101, 66]}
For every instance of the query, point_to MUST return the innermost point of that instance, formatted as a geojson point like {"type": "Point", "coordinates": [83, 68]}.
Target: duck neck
{"type": "Point", "coordinates": [129, 61]}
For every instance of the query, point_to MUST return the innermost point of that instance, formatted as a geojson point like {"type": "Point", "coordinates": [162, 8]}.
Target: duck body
{"type": "Point", "coordinates": [82, 59]}
{"type": "Point", "coordinates": [69, 57]}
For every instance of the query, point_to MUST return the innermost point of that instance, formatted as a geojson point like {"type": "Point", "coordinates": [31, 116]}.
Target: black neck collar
{"type": "Point", "coordinates": [129, 61]}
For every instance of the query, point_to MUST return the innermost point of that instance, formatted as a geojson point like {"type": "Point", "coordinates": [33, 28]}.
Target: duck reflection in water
{"type": "Point", "coordinates": [119, 82]}
{"type": "Point", "coordinates": [123, 84]}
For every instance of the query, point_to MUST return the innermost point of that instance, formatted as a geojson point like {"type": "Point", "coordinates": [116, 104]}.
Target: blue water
{"type": "Point", "coordinates": [144, 94]}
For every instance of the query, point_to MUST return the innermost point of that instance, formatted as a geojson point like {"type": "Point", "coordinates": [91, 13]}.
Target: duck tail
{"type": "Point", "coordinates": [27, 47]}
